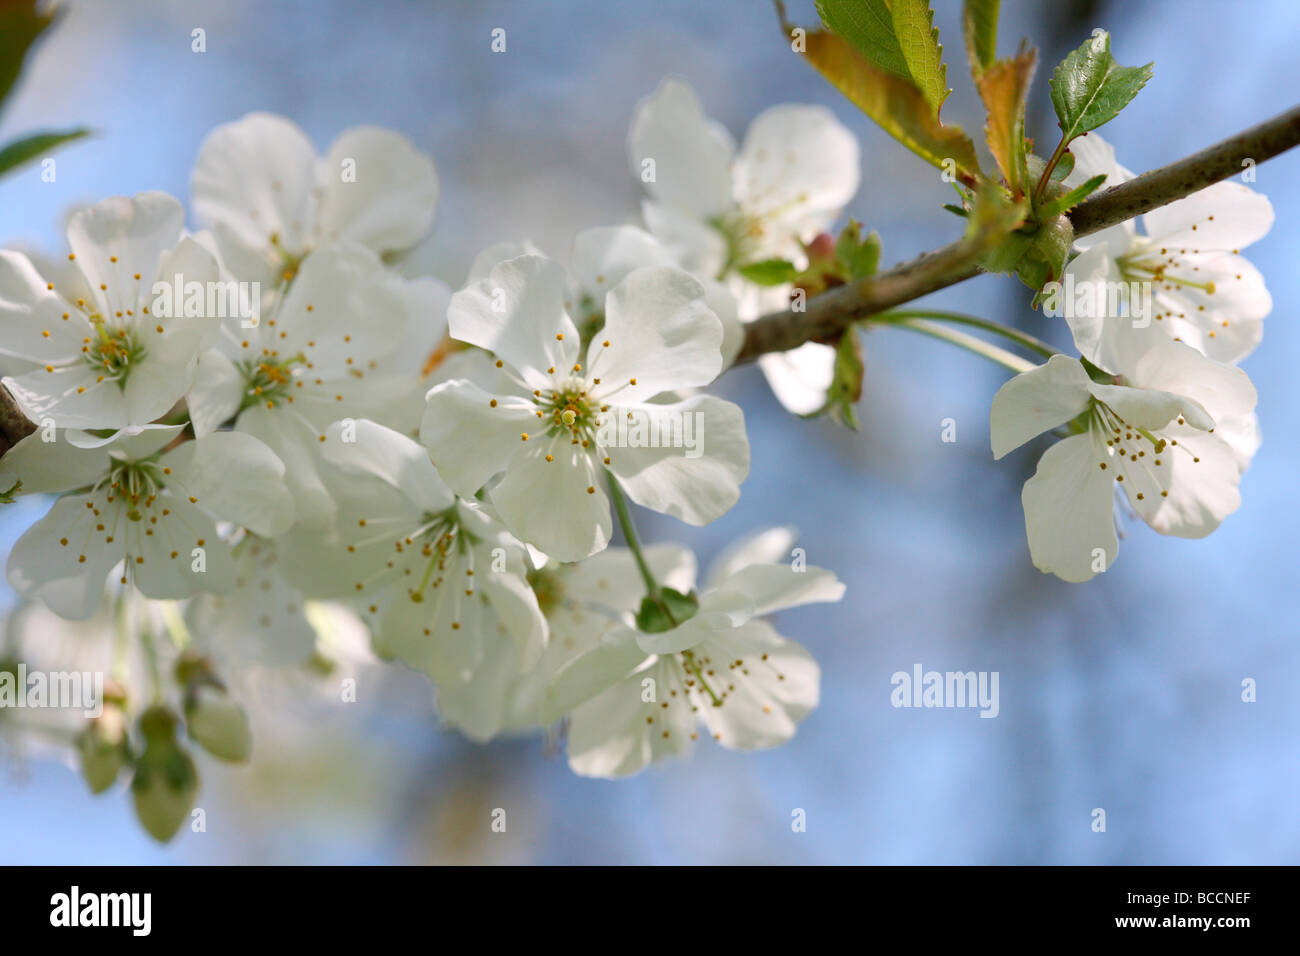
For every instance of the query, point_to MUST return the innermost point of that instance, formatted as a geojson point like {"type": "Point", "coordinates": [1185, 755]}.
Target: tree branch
{"type": "Point", "coordinates": [829, 314]}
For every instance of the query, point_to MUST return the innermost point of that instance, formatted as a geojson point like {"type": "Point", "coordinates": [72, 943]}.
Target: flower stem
{"type": "Point", "coordinates": [1043, 180]}
{"type": "Point", "coordinates": [630, 535]}
{"type": "Point", "coordinates": [1023, 339]}
{"type": "Point", "coordinates": [968, 342]}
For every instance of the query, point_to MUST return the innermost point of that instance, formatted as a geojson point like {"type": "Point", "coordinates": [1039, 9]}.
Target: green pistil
{"type": "Point", "coordinates": [441, 533]}
{"type": "Point", "coordinates": [692, 665]}
{"type": "Point", "coordinates": [1136, 270]}
{"type": "Point", "coordinates": [136, 481]}
{"type": "Point", "coordinates": [1159, 443]}
{"type": "Point", "coordinates": [113, 353]}
{"type": "Point", "coordinates": [269, 381]}
{"type": "Point", "coordinates": [569, 410]}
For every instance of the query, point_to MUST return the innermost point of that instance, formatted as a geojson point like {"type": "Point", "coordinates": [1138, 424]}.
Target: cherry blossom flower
{"type": "Point", "coordinates": [1204, 292]}
{"type": "Point", "coordinates": [717, 209]}
{"type": "Point", "coordinates": [441, 583]}
{"type": "Point", "coordinates": [102, 356]}
{"type": "Point", "coordinates": [151, 510]}
{"type": "Point", "coordinates": [314, 358]}
{"type": "Point", "coordinates": [638, 697]}
{"type": "Point", "coordinates": [270, 200]}
{"type": "Point", "coordinates": [560, 426]}
{"type": "Point", "coordinates": [1173, 429]}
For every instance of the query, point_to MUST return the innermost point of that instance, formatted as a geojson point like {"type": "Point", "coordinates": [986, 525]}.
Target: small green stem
{"type": "Point", "coordinates": [629, 534]}
{"type": "Point", "coordinates": [1015, 335]}
{"type": "Point", "coordinates": [151, 659]}
{"type": "Point", "coordinates": [971, 344]}
{"type": "Point", "coordinates": [1043, 180]}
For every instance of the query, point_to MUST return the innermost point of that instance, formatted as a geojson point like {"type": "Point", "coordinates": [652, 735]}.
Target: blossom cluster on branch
{"type": "Point", "coordinates": [262, 431]}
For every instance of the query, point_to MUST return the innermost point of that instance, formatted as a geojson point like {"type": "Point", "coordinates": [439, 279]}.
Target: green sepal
{"type": "Point", "coordinates": [665, 610]}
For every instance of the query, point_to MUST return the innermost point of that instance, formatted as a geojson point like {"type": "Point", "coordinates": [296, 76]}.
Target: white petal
{"type": "Point", "coordinates": [800, 377]}
{"type": "Point", "coordinates": [297, 444]}
{"type": "Point", "coordinates": [42, 568]}
{"type": "Point", "coordinates": [1069, 509]}
{"type": "Point", "coordinates": [797, 169]}
{"type": "Point", "coordinates": [697, 246]}
{"type": "Point", "coordinates": [497, 253]}
{"type": "Point", "coordinates": [662, 336]}
{"type": "Point", "coordinates": [604, 256]}
{"type": "Point", "coordinates": [1035, 401]}
{"type": "Point", "coordinates": [769, 546]}
{"type": "Point", "coordinates": [1200, 475]}
{"type": "Point", "coordinates": [773, 684]}
{"type": "Point", "coordinates": [695, 460]}
{"type": "Point", "coordinates": [612, 580]}
{"type": "Point", "coordinates": [254, 178]}
{"type": "Point", "coordinates": [1223, 391]}
{"type": "Point", "coordinates": [517, 313]}
{"type": "Point", "coordinates": [343, 305]}
{"type": "Point", "coordinates": [1093, 156]}
{"type": "Point", "coordinates": [372, 449]}
{"type": "Point", "coordinates": [118, 238]}
{"type": "Point", "coordinates": [609, 662]}
{"type": "Point", "coordinates": [1224, 217]}
{"type": "Point", "coordinates": [71, 397]}
{"type": "Point", "coordinates": [235, 478]}
{"type": "Point", "coordinates": [1226, 324]}
{"type": "Point", "coordinates": [559, 505]}
{"type": "Point", "coordinates": [388, 200]}
{"type": "Point", "coordinates": [773, 587]}
{"type": "Point", "coordinates": [31, 315]}
{"type": "Point", "coordinates": [161, 555]}
{"type": "Point", "coordinates": [618, 733]}
{"type": "Point", "coordinates": [691, 153]}
{"type": "Point", "coordinates": [1149, 408]}
{"type": "Point", "coordinates": [216, 394]}
{"type": "Point", "coordinates": [51, 466]}
{"type": "Point", "coordinates": [469, 437]}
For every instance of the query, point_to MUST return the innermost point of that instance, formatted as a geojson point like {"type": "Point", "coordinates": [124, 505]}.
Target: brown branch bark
{"type": "Point", "coordinates": [829, 314]}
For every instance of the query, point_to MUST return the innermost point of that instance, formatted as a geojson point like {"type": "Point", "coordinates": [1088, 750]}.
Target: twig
{"type": "Point", "coordinates": [829, 314]}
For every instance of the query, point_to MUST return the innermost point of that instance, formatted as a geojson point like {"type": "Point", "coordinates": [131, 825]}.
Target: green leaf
{"type": "Point", "coordinates": [1089, 88]}
{"type": "Point", "coordinates": [38, 144]}
{"type": "Point", "coordinates": [1064, 166]}
{"type": "Point", "coordinates": [1004, 87]}
{"type": "Point", "coordinates": [20, 25]}
{"type": "Point", "coordinates": [1067, 201]}
{"type": "Point", "coordinates": [846, 382]}
{"type": "Point", "coordinates": [858, 256]}
{"type": "Point", "coordinates": [893, 102]}
{"type": "Point", "coordinates": [980, 24]}
{"type": "Point", "coordinates": [897, 36]}
{"type": "Point", "coordinates": [769, 272]}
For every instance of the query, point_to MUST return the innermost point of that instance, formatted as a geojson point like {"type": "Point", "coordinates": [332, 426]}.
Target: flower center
{"type": "Point", "coordinates": [269, 380]}
{"type": "Point", "coordinates": [569, 408]}
{"type": "Point", "coordinates": [113, 352]}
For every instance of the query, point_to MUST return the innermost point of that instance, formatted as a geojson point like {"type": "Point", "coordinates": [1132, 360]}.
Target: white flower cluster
{"type": "Point", "coordinates": [256, 418]}
{"type": "Point", "coordinates": [1155, 407]}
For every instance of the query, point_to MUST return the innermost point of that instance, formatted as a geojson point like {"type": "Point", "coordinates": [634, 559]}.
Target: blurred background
{"type": "Point", "coordinates": [1123, 693]}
